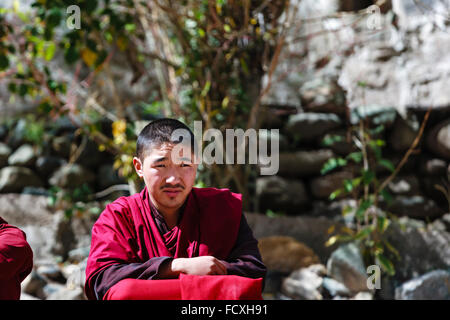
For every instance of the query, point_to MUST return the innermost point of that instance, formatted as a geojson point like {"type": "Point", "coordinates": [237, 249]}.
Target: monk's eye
{"type": "Point", "coordinates": [185, 165]}
{"type": "Point", "coordinates": [159, 166]}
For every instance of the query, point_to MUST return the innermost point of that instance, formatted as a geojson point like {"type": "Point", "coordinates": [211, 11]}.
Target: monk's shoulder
{"type": "Point", "coordinates": [118, 209]}
{"type": "Point", "coordinates": [221, 197]}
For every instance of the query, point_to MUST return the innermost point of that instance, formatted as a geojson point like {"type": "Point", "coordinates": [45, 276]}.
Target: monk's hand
{"type": "Point", "coordinates": [204, 265]}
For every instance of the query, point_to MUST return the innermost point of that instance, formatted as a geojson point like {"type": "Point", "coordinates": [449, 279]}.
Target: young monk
{"type": "Point", "coordinates": [172, 240]}
{"type": "Point", "coordinates": [16, 260]}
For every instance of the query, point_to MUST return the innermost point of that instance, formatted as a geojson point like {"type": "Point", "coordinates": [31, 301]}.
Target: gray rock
{"type": "Point", "coordinates": [17, 135]}
{"type": "Point", "coordinates": [52, 288]}
{"type": "Point", "coordinates": [377, 115]}
{"type": "Point", "coordinates": [421, 248]}
{"type": "Point", "coordinates": [62, 145]}
{"type": "Point", "coordinates": [14, 179]}
{"type": "Point", "coordinates": [335, 288]}
{"type": "Point", "coordinates": [64, 237]}
{"type": "Point", "coordinates": [36, 191]}
{"type": "Point", "coordinates": [51, 272]}
{"type": "Point", "coordinates": [76, 274]}
{"type": "Point", "coordinates": [309, 126]}
{"type": "Point", "coordinates": [303, 163]}
{"type": "Point", "coordinates": [79, 254]}
{"type": "Point", "coordinates": [91, 157]}
{"type": "Point", "coordinates": [312, 231]}
{"type": "Point", "coordinates": [303, 284]}
{"type": "Point", "coordinates": [280, 194]}
{"type": "Point", "coordinates": [285, 254]}
{"type": "Point", "coordinates": [5, 152]}
{"type": "Point", "coordinates": [322, 95]}
{"type": "Point", "coordinates": [404, 185]}
{"type": "Point", "coordinates": [71, 176]}
{"type": "Point", "coordinates": [265, 137]}
{"type": "Point", "coordinates": [341, 147]}
{"type": "Point", "coordinates": [108, 177]}
{"type": "Point", "coordinates": [3, 131]}
{"type": "Point", "coordinates": [434, 285]}
{"type": "Point", "coordinates": [446, 221]}
{"type": "Point", "coordinates": [417, 207]}
{"type": "Point", "coordinates": [67, 294]}
{"type": "Point", "coordinates": [24, 156]}
{"type": "Point", "coordinates": [346, 266]}
{"type": "Point", "coordinates": [46, 165]}
{"type": "Point", "coordinates": [322, 187]}
{"type": "Point", "coordinates": [433, 167]}
{"type": "Point", "coordinates": [34, 285]}
{"type": "Point", "coordinates": [363, 296]}
{"type": "Point", "coordinates": [26, 296]}
{"type": "Point", "coordinates": [438, 139]}
{"type": "Point", "coordinates": [403, 134]}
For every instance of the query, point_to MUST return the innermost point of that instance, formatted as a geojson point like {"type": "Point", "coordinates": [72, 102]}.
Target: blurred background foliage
{"type": "Point", "coordinates": [208, 57]}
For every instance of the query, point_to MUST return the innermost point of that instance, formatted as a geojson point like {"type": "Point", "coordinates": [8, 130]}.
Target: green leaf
{"type": "Point", "coordinates": [367, 176]}
{"type": "Point", "coordinates": [365, 204]}
{"type": "Point", "coordinates": [4, 61]}
{"type": "Point", "coordinates": [385, 264]}
{"type": "Point", "coordinates": [364, 233]}
{"type": "Point", "coordinates": [355, 156]}
{"type": "Point", "coordinates": [332, 164]}
{"type": "Point", "coordinates": [206, 88]}
{"type": "Point", "coordinates": [329, 140]}
{"type": "Point", "coordinates": [386, 196]}
{"type": "Point", "coordinates": [382, 224]}
{"type": "Point", "coordinates": [387, 164]}
{"type": "Point", "coordinates": [335, 194]}
{"type": "Point", "coordinates": [50, 51]}
{"type": "Point", "coordinates": [392, 249]}
{"type": "Point", "coordinates": [348, 186]}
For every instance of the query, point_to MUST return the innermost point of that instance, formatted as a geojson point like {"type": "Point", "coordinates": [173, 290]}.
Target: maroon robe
{"type": "Point", "coordinates": [129, 242]}
{"type": "Point", "coordinates": [16, 260]}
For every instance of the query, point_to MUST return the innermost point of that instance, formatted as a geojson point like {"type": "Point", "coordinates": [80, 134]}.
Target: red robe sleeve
{"type": "Point", "coordinates": [16, 260]}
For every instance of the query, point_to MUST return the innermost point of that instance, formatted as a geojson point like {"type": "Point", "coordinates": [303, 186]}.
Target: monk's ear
{"type": "Point", "coordinates": [138, 166]}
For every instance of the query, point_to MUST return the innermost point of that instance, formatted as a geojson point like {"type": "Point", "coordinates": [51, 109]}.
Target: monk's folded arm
{"type": "Point", "coordinates": [105, 279]}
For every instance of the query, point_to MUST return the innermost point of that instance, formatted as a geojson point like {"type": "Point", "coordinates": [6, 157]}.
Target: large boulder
{"type": "Point", "coordinates": [323, 95]}
{"type": "Point", "coordinates": [24, 156]}
{"type": "Point", "coordinates": [71, 176]}
{"type": "Point", "coordinates": [14, 179]}
{"type": "Point", "coordinates": [285, 254]}
{"type": "Point", "coordinates": [323, 186]}
{"type": "Point", "coordinates": [304, 284]}
{"type": "Point", "coordinates": [309, 126]}
{"type": "Point", "coordinates": [46, 165]}
{"type": "Point", "coordinates": [434, 285]}
{"type": "Point", "coordinates": [421, 248]}
{"type": "Point", "coordinates": [303, 163]}
{"type": "Point", "coordinates": [346, 265]}
{"type": "Point", "coordinates": [438, 139]}
{"type": "Point", "coordinates": [312, 231]}
{"type": "Point", "coordinates": [416, 206]}
{"type": "Point", "coordinates": [403, 134]}
{"type": "Point", "coordinates": [280, 194]}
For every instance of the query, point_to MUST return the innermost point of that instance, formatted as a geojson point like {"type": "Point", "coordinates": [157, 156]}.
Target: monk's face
{"type": "Point", "coordinates": [169, 173]}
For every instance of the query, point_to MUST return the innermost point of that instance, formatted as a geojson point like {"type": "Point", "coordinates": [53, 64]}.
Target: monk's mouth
{"type": "Point", "coordinates": [172, 193]}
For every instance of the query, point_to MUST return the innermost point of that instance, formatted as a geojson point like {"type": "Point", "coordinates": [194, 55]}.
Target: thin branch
{"type": "Point", "coordinates": [407, 154]}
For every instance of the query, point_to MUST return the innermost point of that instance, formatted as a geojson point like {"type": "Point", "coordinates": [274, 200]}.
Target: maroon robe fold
{"type": "Point", "coordinates": [126, 233]}
{"type": "Point", "coordinates": [16, 260]}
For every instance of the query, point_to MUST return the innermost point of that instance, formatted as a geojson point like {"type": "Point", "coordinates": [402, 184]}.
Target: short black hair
{"type": "Point", "coordinates": [161, 131]}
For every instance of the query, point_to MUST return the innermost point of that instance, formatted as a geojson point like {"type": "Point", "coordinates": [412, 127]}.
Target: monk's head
{"type": "Point", "coordinates": [165, 160]}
